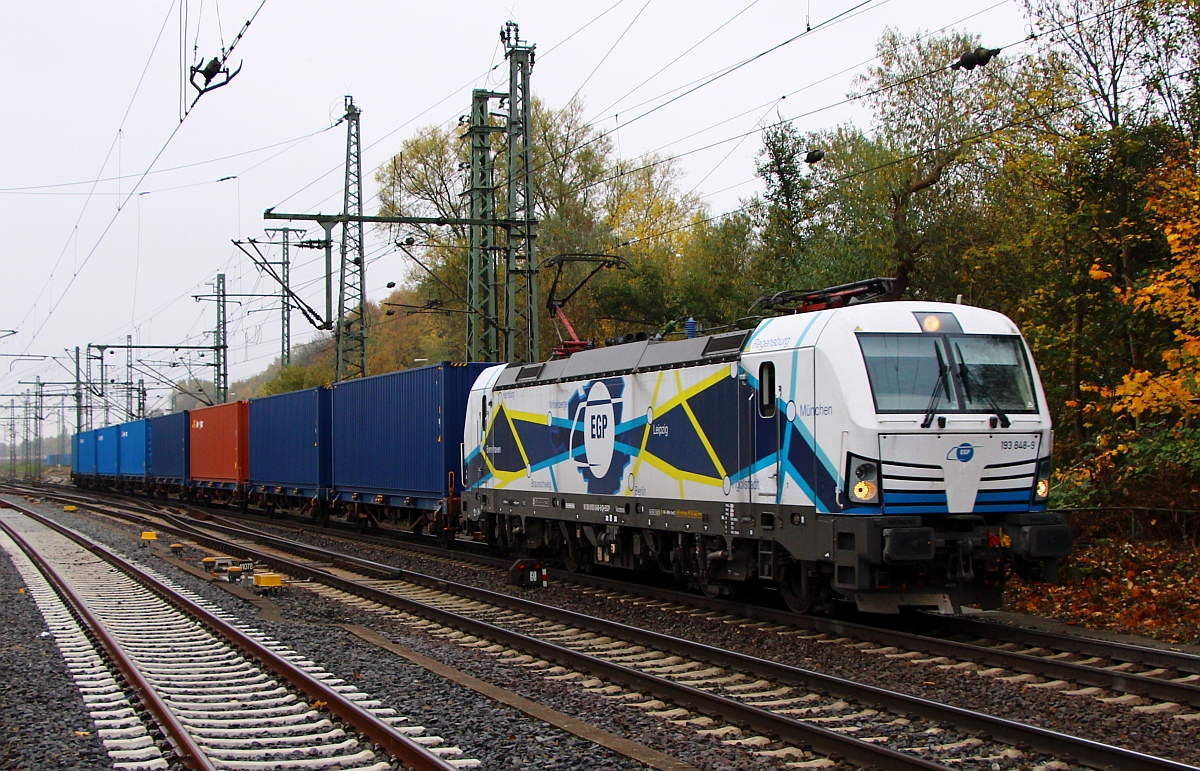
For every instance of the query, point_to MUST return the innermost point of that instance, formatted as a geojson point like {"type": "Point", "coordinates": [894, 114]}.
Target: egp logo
{"type": "Point", "coordinates": [964, 452]}
{"type": "Point", "coordinates": [598, 425]}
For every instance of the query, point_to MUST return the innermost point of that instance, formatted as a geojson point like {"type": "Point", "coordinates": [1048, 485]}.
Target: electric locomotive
{"type": "Point", "coordinates": [892, 454]}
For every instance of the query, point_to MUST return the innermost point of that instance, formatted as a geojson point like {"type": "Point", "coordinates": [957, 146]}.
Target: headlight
{"type": "Point", "coordinates": [862, 480]}
{"type": "Point", "coordinates": [865, 492]}
{"type": "Point", "coordinates": [1041, 488]}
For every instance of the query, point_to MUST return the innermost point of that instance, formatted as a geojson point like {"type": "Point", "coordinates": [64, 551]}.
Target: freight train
{"type": "Point", "coordinates": [382, 450]}
{"type": "Point", "coordinates": [895, 455]}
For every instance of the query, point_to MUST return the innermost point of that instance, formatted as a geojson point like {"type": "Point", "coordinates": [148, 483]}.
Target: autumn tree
{"type": "Point", "coordinates": [1171, 387]}
{"type": "Point", "coordinates": [587, 201]}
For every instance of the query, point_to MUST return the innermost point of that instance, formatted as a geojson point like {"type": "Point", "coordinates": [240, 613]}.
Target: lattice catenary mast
{"type": "Point", "coordinates": [352, 298]}
{"type": "Point", "coordinates": [521, 306]}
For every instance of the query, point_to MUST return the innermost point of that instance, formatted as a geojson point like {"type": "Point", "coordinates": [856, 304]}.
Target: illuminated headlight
{"type": "Point", "coordinates": [1041, 488]}
{"type": "Point", "coordinates": [865, 492]}
{"type": "Point", "coordinates": [862, 480]}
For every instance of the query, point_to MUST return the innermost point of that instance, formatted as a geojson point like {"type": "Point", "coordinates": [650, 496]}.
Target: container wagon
{"type": "Point", "coordinates": [83, 458]}
{"type": "Point", "coordinates": [108, 455]}
{"type": "Point", "coordinates": [167, 457]}
{"type": "Point", "coordinates": [396, 446]}
{"type": "Point", "coordinates": [290, 451]}
{"type": "Point", "coordinates": [219, 452]}
{"type": "Point", "coordinates": [132, 439]}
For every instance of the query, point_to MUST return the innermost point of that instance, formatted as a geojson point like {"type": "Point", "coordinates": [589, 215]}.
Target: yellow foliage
{"type": "Point", "coordinates": [1171, 295]}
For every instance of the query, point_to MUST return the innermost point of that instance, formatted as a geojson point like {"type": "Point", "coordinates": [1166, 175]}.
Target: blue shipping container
{"type": "Point", "coordinates": [399, 434]}
{"type": "Point", "coordinates": [167, 448]}
{"type": "Point", "coordinates": [289, 442]}
{"type": "Point", "coordinates": [83, 455]}
{"type": "Point", "coordinates": [133, 439]}
{"type": "Point", "coordinates": [108, 451]}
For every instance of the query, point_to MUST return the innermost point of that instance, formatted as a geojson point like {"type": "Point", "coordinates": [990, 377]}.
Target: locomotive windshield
{"type": "Point", "coordinates": [949, 373]}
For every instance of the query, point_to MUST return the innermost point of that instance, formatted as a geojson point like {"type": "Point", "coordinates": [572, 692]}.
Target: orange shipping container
{"type": "Point", "coordinates": [220, 443]}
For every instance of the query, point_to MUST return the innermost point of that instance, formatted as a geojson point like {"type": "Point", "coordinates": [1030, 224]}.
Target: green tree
{"type": "Point", "coordinates": [902, 199]}
{"type": "Point", "coordinates": [716, 280]}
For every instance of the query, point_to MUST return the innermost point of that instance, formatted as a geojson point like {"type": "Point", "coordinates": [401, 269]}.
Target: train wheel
{"type": "Point", "coordinates": [571, 557]}
{"type": "Point", "coordinates": [797, 589]}
{"type": "Point", "coordinates": [714, 589]}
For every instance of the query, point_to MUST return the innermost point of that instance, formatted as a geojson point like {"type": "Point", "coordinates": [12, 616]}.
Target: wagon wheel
{"type": "Point", "coordinates": [715, 588]}
{"type": "Point", "coordinates": [572, 558]}
{"type": "Point", "coordinates": [797, 590]}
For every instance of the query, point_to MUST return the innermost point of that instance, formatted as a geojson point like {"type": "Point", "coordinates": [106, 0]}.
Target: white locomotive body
{"type": "Point", "coordinates": [891, 454]}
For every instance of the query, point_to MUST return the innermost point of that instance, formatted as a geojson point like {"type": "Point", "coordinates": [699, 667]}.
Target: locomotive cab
{"type": "Point", "coordinates": [944, 475]}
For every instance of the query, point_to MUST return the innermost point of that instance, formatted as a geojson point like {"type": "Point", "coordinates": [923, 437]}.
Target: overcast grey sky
{"type": "Point", "coordinates": [92, 251]}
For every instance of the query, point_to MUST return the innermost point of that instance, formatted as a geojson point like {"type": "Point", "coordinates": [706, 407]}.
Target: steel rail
{"type": "Point", "coordinates": [797, 732]}
{"type": "Point", "coordinates": [1082, 674]}
{"type": "Point", "coordinates": [1180, 661]}
{"type": "Point", "coordinates": [220, 524]}
{"type": "Point", "coordinates": [823, 740]}
{"type": "Point", "coordinates": [385, 736]}
{"type": "Point", "coordinates": [184, 747]}
{"type": "Point", "coordinates": [1087, 752]}
{"type": "Point", "coordinates": [882, 634]}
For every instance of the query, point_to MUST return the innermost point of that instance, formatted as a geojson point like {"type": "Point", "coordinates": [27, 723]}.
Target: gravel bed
{"type": "Point", "coordinates": [44, 725]}
{"type": "Point", "coordinates": [501, 737]}
{"type": "Point", "coordinates": [1156, 734]}
{"type": "Point", "coordinates": [609, 714]}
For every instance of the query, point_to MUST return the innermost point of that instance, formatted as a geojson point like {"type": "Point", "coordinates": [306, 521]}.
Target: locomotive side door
{"type": "Point", "coordinates": [764, 413]}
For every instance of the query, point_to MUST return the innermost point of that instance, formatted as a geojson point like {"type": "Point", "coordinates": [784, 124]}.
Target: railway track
{"type": "Point", "coordinates": [790, 709]}
{"type": "Point", "coordinates": [1157, 679]}
{"type": "Point", "coordinates": [1144, 678]}
{"type": "Point", "coordinates": [152, 661]}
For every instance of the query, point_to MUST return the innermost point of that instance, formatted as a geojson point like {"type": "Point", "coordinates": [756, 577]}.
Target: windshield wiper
{"type": "Point", "coordinates": [942, 384]}
{"type": "Point", "coordinates": [964, 375]}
